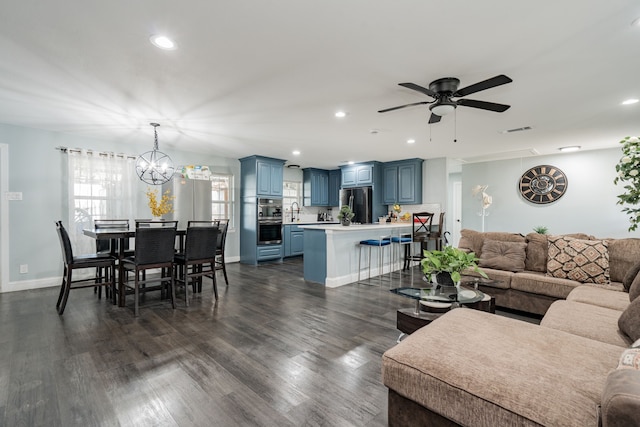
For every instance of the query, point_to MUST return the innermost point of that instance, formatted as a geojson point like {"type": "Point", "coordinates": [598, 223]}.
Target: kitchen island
{"type": "Point", "coordinates": [331, 251]}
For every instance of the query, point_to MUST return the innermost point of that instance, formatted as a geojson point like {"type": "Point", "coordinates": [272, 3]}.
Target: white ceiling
{"type": "Point", "coordinates": [266, 77]}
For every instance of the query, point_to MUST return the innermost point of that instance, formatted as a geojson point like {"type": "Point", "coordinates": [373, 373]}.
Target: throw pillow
{"type": "Point", "coordinates": [629, 321]}
{"type": "Point", "coordinates": [507, 256]}
{"type": "Point", "coordinates": [585, 261]}
{"type": "Point", "coordinates": [537, 248]}
{"type": "Point", "coordinates": [630, 276]}
{"type": "Point", "coordinates": [630, 359]}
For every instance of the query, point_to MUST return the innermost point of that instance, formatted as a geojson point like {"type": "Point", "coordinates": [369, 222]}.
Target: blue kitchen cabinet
{"type": "Point", "coordinates": [270, 178]}
{"type": "Point", "coordinates": [293, 237]}
{"type": "Point", "coordinates": [315, 187]}
{"type": "Point", "coordinates": [358, 175]}
{"type": "Point", "coordinates": [268, 252]}
{"type": "Point", "coordinates": [402, 182]}
{"type": "Point", "coordinates": [334, 187]}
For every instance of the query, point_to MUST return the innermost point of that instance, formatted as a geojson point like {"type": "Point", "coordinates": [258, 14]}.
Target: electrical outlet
{"type": "Point", "coordinates": [24, 268]}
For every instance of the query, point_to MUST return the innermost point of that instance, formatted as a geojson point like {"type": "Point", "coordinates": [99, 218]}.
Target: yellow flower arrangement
{"type": "Point", "coordinates": [164, 207]}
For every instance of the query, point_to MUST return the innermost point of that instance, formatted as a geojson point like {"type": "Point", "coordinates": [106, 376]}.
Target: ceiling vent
{"type": "Point", "coordinates": [515, 154]}
{"type": "Point", "coordinates": [516, 129]}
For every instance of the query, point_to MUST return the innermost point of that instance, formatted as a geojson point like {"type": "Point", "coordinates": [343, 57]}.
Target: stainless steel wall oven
{"type": "Point", "coordinates": [269, 221]}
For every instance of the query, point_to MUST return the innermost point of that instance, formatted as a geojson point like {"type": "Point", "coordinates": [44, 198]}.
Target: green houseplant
{"type": "Point", "coordinates": [345, 215]}
{"type": "Point", "coordinates": [449, 262]}
{"type": "Point", "coordinates": [541, 229]}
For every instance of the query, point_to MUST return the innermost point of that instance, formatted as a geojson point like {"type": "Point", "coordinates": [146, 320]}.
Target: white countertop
{"type": "Point", "coordinates": [310, 222]}
{"type": "Point", "coordinates": [356, 227]}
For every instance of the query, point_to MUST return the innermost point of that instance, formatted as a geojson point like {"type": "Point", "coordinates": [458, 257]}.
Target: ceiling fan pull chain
{"type": "Point", "coordinates": [455, 125]}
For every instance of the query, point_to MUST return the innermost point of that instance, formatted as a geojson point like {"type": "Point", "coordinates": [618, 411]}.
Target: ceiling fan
{"type": "Point", "coordinates": [443, 90]}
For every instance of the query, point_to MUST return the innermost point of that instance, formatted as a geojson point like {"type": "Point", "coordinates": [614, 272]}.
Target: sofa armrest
{"type": "Point", "coordinates": [621, 399]}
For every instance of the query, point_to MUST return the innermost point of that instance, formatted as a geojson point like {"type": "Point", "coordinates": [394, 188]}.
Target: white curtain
{"type": "Point", "coordinates": [101, 186]}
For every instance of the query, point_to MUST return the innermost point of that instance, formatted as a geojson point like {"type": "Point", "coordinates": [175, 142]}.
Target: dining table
{"type": "Point", "coordinates": [118, 236]}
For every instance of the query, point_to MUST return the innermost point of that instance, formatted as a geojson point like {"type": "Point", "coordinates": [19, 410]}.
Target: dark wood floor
{"type": "Point", "coordinates": [272, 351]}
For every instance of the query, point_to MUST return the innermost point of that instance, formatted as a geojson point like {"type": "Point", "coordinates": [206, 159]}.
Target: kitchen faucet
{"type": "Point", "coordinates": [298, 206]}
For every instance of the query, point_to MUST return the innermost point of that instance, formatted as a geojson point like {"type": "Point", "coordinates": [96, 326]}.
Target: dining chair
{"type": "Point", "coordinates": [154, 249]}
{"type": "Point", "coordinates": [71, 263]}
{"type": "Point", "coordinates": [223, 225]}
{"type": "Point", "coordinates": [199, 251]}
{"type": "Point", "coordinates": [421, 232]}
{"type": "Point", "coordinates": [104, 246]}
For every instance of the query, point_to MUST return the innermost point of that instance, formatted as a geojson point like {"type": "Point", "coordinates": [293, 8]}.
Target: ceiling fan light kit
{"type": "Point", "coordinates": [443, 90]}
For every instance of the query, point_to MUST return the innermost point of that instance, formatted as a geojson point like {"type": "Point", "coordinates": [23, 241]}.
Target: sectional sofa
{"type": "Point", "coordinates": [577, 368]}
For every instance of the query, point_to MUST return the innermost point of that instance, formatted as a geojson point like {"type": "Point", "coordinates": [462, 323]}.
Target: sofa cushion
{"type": "Point", "coordinates": [623, 255]}
{"type": "Point", "coordinates": [634, 290]}
{"type": "Point", "coordinates": [498, 278]}
{"type": "Point", "coordinates": [473, 240]}
{"type": "Point", "coordinates": [586, 261]}
{"type": "Point", "coordinates": [621, 399]}
{"type": "Point", "coordinates": [479, 369]}
{"type": "Point", "coordinates": [586, 320]}
{"type": "Point", "coordinates": [508, 256]}
{"type": "Point", "coordinates": [594, 295]}
{"type": "Point", "coordinates": [630, 276]}
{"type": "Point", "coordinates": [537, 249]}
{"type": "Point", "coordinates": [629, 321]}
{"type": "Point", "coordinates": [540, 283]}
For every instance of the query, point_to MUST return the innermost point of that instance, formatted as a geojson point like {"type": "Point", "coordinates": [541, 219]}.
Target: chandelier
{"type": "Point", "coordinates": [154, 167]}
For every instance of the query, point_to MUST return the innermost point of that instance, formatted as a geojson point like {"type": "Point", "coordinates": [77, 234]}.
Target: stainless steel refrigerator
{"type": "Point", "coordinates": [192, 200]}
{"type": "Point", "coordinates": [359, 199]}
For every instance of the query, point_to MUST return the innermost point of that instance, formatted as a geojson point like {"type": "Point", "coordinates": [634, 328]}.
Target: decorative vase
{"type": "Point", "coordinates": [443, 278]}
{"type": "Point", "coordinates": [346, 221]}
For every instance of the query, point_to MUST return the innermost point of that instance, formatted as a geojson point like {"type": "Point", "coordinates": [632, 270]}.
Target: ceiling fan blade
{"type": "Point", "coordinates": [419, 89]}
{"type": "Point", "coordinates": [434, 118]}
{"type": "Point", "coordinates": [483, 105]}
{"type": "Point", "coordinates": [484, 85]}
{"type": "Point", "coordinates": [403, 106]}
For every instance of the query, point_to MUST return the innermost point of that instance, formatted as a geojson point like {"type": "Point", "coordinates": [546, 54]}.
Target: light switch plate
{"type": "Point", "coordinates": [14, 195]}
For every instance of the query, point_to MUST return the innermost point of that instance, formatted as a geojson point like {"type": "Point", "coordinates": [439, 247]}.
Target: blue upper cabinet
{"type": "Point", "coordinates": [403, 182]}
{"type": "Point", "coordinates": [315, 187]}
{"type": "Point", "coordinates": [334, 187]}
{"type": "Point", "coordinates": [261, 176]}
{"type": "Point", "coordinates": [357, 175]}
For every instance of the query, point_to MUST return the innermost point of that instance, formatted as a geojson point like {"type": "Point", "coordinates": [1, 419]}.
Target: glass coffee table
{"type": "Point", "coordinates": [432, 302]}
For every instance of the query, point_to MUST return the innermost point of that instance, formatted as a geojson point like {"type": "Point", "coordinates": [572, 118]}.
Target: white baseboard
{"type": "Point", "coordinates": [25, 285]}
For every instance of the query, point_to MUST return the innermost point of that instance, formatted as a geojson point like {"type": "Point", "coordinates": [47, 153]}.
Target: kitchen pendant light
{"type": "Point", "coordinates": [154, 167]}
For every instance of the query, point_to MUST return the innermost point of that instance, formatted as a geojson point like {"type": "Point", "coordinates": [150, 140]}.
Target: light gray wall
{"type": "Point", "coordinates": [38, 170]}
{"type": "Point", "coordinates": [588, 206]}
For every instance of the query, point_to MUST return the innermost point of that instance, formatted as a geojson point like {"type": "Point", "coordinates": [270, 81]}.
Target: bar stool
{"type": "Point", "coordinates": [380, 243]}
{"type": "Point", "coordinates": [401, 244]}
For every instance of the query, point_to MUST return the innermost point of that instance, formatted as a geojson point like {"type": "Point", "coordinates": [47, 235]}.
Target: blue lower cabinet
{"type": "Point", "coordinates": [268, 252]}
{"type": "Point", "coordinates": [293, 237]}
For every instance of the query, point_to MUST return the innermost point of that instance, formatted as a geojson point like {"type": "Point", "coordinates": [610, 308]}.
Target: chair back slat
{"type": "Point", "coordinates": [223, 225]}
{"type": "Point", "coordinates": [65, 243]}
{"type": "Point", "coordinates": [422, 225]}
{"type": "Point", "coordinates": [103, 245]}
{"type": "Point", "coordinates": [155, 241]}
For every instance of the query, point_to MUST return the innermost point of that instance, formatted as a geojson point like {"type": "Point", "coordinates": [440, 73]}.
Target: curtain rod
{"type": "Point", "coordinates": [99, 153]}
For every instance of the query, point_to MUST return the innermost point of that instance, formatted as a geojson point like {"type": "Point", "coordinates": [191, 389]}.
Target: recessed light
{"type": "Point", "coordinates": [340, 114]}
{"type": "Point", "coordinates": [569, 148]}
{"type": "Point", "coordinates": [295, 152]}
{"type": "Point", "coordinates": [629, 101]}
{"type": "Point", "coordinates": [350, 162]}
{"type": "Point", "coordinates": [163, 42]}
{"type": "Point", "coordinates": [636, 22]}
{"type": "Point", "coordinates": [411, 141]}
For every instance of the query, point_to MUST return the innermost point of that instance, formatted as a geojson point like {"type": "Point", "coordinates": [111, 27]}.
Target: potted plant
{"type": "Point", "coordinates": [541, 229]}
{"type": "Point", "coordinates": [448, 264]}
{"type": "Point", "coordinates": [345, 215]}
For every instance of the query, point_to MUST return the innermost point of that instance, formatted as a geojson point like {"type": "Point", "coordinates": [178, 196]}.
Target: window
{"type": "Point", "coordinates": [101, 185]}
{"type": "Point", "coordinates": [222, 197]}
{"type": "Point", "coordinates": [291, 192]}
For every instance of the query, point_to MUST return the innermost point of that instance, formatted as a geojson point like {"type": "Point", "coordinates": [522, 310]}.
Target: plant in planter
{"type": "Point", "coordinates": [345, 215]}
{"type": "Point", "coordinates": [541, 229]}
{"type": "Point", "coordinates": [449, 264]}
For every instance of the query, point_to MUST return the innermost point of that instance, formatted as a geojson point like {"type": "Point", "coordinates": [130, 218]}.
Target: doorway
{"type": "Point", "coordinates": [457, 213]}
{"type": "Point", "coordinates": [4, 217]}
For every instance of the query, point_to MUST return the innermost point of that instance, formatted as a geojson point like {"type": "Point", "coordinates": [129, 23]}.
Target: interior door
{"type": "Point", "coordinates": [457, 213]}
{"type": "Point", "coordinates": [4, 217]}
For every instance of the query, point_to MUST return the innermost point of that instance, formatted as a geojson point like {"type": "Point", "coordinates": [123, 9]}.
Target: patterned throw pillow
{"type": "Point", "coordinates": [630, 359]}
{"type": "Point", "coordinates": [585, 261]}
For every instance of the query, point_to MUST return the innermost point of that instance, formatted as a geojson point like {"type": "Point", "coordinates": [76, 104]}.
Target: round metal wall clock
{"type": "Point", "coordinates": [543, 184]}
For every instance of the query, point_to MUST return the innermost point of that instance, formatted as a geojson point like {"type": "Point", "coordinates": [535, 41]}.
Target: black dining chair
{"type": "Point", "coordinates": [223, 225]}
{"type": "Point", "coordinates": [71, 263]}
{"type": "Point", "coordinates": [199, 257]}
{"type": "Point", "coordinates": [154, 249]}
{"type": "Point", "coordinates": [111, 246]}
